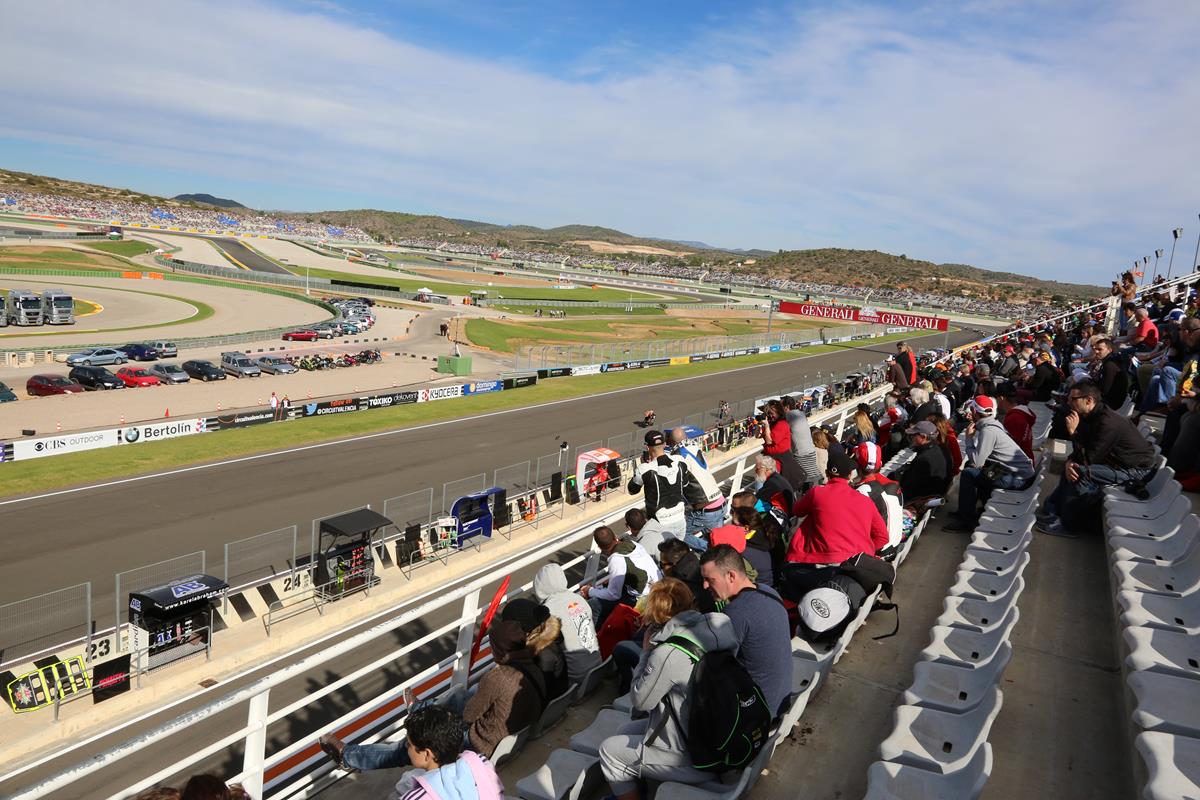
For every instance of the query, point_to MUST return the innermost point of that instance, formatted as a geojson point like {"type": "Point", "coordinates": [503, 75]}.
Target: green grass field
{"type": "Point", "coordinates": [202, 312]}
{"type": "Point", "coordinates": [128, 248]}
{"type": "Point", "coordinates": [25, 477]}
{"type": "Point", "coordinates": [582, 311]}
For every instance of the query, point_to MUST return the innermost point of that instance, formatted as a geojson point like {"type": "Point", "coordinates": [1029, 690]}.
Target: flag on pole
{"type": "Point", "coordinates": [488, 615]}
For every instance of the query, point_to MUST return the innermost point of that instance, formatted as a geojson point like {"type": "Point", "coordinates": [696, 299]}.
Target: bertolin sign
{"type": "Point", "coordinates": [63, 443]}
{"type": "Point", "coordinates": [154, 431]}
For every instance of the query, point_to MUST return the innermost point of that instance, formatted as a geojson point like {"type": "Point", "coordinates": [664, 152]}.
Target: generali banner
{"type": "Point", "coordinates": [867, 314]}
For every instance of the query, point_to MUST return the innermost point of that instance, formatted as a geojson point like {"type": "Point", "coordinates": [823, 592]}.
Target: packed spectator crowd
{"type": "Point", "coordinates": [130, 212]}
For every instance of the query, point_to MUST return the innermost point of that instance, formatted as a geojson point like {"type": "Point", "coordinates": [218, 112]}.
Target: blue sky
{"type": "Point", "coordinates": [1047, 138]}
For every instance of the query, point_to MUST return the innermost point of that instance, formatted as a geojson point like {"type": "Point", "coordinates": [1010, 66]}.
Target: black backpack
{"type": "Point", "coordinates": [728, 719]}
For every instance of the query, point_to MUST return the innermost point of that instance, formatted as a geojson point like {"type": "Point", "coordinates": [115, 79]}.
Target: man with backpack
{"type": "Point", "coordinates": [759, 620]}
{"type": "Point", "coordinates": [992, 460]}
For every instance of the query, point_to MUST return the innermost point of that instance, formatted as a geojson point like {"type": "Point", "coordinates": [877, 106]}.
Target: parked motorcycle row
{"type": "Point", "coordinates": [316, 362]}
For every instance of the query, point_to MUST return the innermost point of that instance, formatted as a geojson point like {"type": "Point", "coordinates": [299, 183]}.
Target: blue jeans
{"type": "Point", "coordinates": [974, 488]}
{"type": "Point", "coordinates": [701, 522]}
{"type": "Point", "coordinates": [1162, 387]}
{"type": "Point", "coordinates": [1092, 480]}
{"type": "Point", "coordinates": [393, 755]}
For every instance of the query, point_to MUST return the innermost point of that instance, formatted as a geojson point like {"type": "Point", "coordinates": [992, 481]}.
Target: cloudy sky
{"type": "Point", "coordinates": [1050, 138]}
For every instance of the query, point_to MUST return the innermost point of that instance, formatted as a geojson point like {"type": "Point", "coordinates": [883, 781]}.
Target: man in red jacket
{"type": "Point", "coordinates": [1017, 417]}
{"type": "Point", "coordinates": [839, 523]}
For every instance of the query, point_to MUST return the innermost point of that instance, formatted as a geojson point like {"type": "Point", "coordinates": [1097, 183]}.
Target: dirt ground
{"type": "Point", "coordinates": [482, 278]}
{"type": "Point", "coordinates": [609, 247]}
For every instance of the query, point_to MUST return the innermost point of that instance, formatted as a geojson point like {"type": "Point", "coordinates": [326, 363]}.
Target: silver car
{"type": "Point", "coordinates": [97, 357]}
{"type": "Point", "coordinates": [169, 373]}
{"type": "Point", "coordinates": [275, 365]}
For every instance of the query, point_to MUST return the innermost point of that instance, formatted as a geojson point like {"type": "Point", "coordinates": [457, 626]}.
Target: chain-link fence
{"type": "Point", "coordinates": [622, 443]}
{"type": "Point", "coordinates": [149, 576]}
{"type": "Point", "coordinates": [452, 490]}
{"type": "Point", "coordinates": [515, 478]}
{"type": "Point", "coordinates": [30, 626]}
{"type": "Point", "coordinates": [414, 508]}
{"type": "Point", "coordinates": [548, 465]}
{"type": "Point", "coordinates": [259, 558]}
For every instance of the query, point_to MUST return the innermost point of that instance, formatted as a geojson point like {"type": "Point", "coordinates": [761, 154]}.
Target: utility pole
{"type": "Point", "coordinates": [1175, 234]}
{"type": "Point", "coordinates": [1196, 258]}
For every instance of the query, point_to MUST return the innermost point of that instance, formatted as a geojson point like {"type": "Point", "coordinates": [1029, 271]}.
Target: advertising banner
{"type": "Point", "coordinates": [865, 314]}
{"type": "Point", "coordinates": [613, 366]}
{"type": "Point", "coordinates": [388, 400]}
{"type": "Point", "coordinates": [63, 443]}
{"type": "Point", "coordinates": [342, 406]}
{"type": "Point", "coordinates": [587, 369]}
{"type": "Point", "coordinates": [773, 348]}
{"type": "Point", "coordinates": [440, 393]}
{"type": "Point", "coordinates": [482, 387]}
{"type": "Point", "coordinates": [554, 372]}
{"type": "Point", "coordinates": [520, 382]}
{"type": "Point", "coordinates": [677, 361]}
{"type": "Point", "coordinates": [245, 418]}
{"type": "Point", "coordinates": [110, 678]}
{"type": "Point", "coordinates": [661, 362]}
{"type": "Point", "coordinates": [155, 431]}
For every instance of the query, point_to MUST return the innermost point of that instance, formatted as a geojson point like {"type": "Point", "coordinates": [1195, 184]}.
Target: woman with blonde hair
{"type": "Point", "coordinates": [821, 442]}
{"type": "Point", "coordinates": [862, 431]}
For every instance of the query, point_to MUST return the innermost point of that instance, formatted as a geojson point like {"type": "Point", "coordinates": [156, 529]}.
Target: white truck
{"type": "Point", "coordinates": [23, 307]}
{"type": "Point", "coordinates": [58, 307]}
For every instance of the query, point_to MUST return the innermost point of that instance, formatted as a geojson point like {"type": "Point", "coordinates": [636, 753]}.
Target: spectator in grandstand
{"type": "Point", "coordinates": [1046, 377]}
{"type": "Point", "coordinates": [683, 564]}
{"type": "Point", "coordinates": [776, 434]}
{"type": "Point", "coordinates": [679, 447]}
{"type": "Point", "coordinates": [839, 523]}
{"type": "Point", "coordinates": [543, 637]}
{"type": "Point", "coordinates": [947, 439]}
{"type": "Point", "coordinates": [631, 573]}
{"type": "Point", "coordinates": [511, 694]}
{"type": "Point", "coordinates": [443, 769]}
{"type": "Point", "coordinates": [1008, 365]}
{"type": "Point", "coordinates": [705, 504]}
{"type": "Point", "coordinates": [1144, 336]}
{"type": "Point", "coordinates": [1017, 417]}
{"type": "Point", "coordinates": [907, 361]}
{"type": "Point", "coordinates": [993, 459]}
{"type": "Point", "coordinates": [921, 406]}
{"type": "Point", "coordinates": [1185, 396]}
{"type": "Point", "coordinates": [928, 474]}
{"type": "Point", "coordinates": [882, 491]}
{"type": "Point", "coordinates": [821, 442]}
{"type": "Point", "coordinates": [662, 477]}
{"type": "Point", "coordinates": [649, 533]}
{"type": "Point", "coordinates": [760, 622]}
{"type": "Point", "coordinates": [896, 374]}
{"type": "Point", "coordinates": [806, 472]}
{"type": "Point", "coordinates": [159, 793]}
{"type": "Point", "coordinates": [578, 631]}
{"type": "Point", "coordinates": [892, 424]}
{"type": "Point", "coordinates": [757, 537]}
{"type": "Point", "coordinates": [660, 690]}
{"type": "Point", "coordinates": [1111, 371]}
{"type": "Point", "coordinates": [209, 787]}
{"type": "Point", "coordinates": [861, 429]}
{"type": "Point", "coordinates": [1108, 451]}
{"type": "Point", "coordinates": [771, 490]}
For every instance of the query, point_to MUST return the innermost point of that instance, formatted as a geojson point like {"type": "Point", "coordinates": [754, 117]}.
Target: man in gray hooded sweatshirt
{"type": "Point", "coordinates": [992, 459]}
{"type": "Point", "coordinates": [579, 635]}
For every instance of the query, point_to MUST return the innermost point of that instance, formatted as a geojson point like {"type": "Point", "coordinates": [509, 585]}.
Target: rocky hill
{"type": "Point", "coordinates": [208, 200]}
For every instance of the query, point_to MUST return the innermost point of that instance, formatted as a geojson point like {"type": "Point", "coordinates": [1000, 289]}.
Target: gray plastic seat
{"type": "Point", "coordinates": [1166, 703]}
{"type": "Point", "coordinates": [566, 775]}
{"type": "Point", "coordinates": [993, 563]}
{"type": "Point", "coordinates": [939, 741]}
{"type": "Point", "coordinates": [510, 745]}
{"type": "Point", "coordinates": [806, 679]}
{"type": "Point", "coordinates": [982, 585]}
{"type": "Point", "coordinates": [1170, 652]}
{"type": "Point", "coordinates": [1001, 542]}
{"type": "Point", "coordinates": [606, 724]}
{"type": "Point", "coordinates": [1169, 507]}
{"type": "Point", "coordinates": [624, 703]}
{"type": "Point", "coordinates": [1176, 580]}
{"type": "Point", "coordinates": [948, 687]}
{"type": "Point", "coordinates": [1147, 610]}
{"type": "Point", "coordinates": [554, 711]}
{"type": "Point", "coordinates": [593, 678]}
{"type": "Point", "coordinates": [1162, 477]}
{"type": "Point", "coordinates": [1166, 549]}
{"type": "Point", "coordinates": [981, 616]}
{"type": "Point", "coordinates": [721, 790]}
{"type": "Point", "coordinates": [968, 648]}
{"type": "Point", "coordinates": [889, 781]}
{"type": "Point", "coordinates": [1161, 528]}
{"type": "Point", "coordinates": [1011, 510]}
{"type": "Point", "coordinates": [823, 653]}
{"type": "Point", "coordinates": [991, 523]}
{"type": "Point", "coordinates": [1172, 766]}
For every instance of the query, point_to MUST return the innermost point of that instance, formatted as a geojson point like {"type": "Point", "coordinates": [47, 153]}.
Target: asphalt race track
{"type": "Point", "coordinates": [246, 256]}
{"type": "Point", "coordinates": [97, 532]}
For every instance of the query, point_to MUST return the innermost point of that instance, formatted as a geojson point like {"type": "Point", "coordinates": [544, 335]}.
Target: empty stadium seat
{"type": "Point", "coordinates": [981, 616]}
{"type": "Point", "coordinates": [509, 746]}
{"type": "Point", "coordinates": [1172, 764]}
{"type": "Point", "coordinates": [554, 711]}
{"type": "Point", "coordinates": [1162, 611]}
{"type": "Point", "coordinates": [1001, 542]}
{"type": "Point", "coordinates": [990, 523]}
{"type": "Point", "coordinates": [1161, 528]}
{"type": "Point", "coordinates": [949, 687]}
{"type": "Point", "coordinates": [937, 740]}
{"type": "Point", "coordinates": [1166, 703]}
{"type": "Point", "coordinates": [993, 563]}
{"type": "Point", "coordinates": [968, 583]}
{"type": "Point", "coordinates": [1170, 508]}
{"type": "Point", "coordinates": [806, 679]}
{"type": "Point", "coordinates": [1174, 579]}
{"type": "Point", "coordinates": [566, 775]}
{"type": "Point", "coordinates": [1169, 652]}
{"type": "Point", "coordinates": [889, 781]}
{"type": "Point", "coordinates": [969, 648]}
{"type": "Point", "coordinates": [1003, 507]}
{"type": "Point", "coordinates": [1165, 549]}
{"type": "Point", "coordinates": [593, 678]}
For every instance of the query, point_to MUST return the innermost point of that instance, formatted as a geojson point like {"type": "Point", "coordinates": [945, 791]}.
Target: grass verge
{"type": "Point", "coordinates": [127, 247]}
{"type": "Point", "coordinates": [26, 477]}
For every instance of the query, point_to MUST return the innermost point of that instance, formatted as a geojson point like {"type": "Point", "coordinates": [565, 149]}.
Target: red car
{"type": "Point", "coordinates": [42, 385]}
{"type": "Point", "coordinates": [137, 376]}
{"type": "Point", "coordinates": [300, 336]}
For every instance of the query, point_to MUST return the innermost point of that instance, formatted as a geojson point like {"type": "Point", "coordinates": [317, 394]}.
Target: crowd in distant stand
{"type": "Point", "coordinates": [131, 212]}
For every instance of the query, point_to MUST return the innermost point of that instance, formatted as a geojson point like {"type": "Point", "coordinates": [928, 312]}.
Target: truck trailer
{"type": "Point", "coordinates": [58, 307]}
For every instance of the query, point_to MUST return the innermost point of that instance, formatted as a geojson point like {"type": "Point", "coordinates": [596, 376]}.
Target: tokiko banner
{"type": "Point", "coordinates": [866, 314]}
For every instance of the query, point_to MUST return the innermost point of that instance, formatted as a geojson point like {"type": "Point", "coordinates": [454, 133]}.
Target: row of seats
{"type": "Point", "coordinates": [938, 746]}
{"type": "Point", "coordinates": [1154, 555]}
{"type": "Point", "coordinates": [574, 772]}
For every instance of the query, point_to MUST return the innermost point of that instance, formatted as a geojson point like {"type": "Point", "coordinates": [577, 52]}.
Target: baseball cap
{"type": "Point", "coordinates": [823, 608]}
{"type": "Point", "coordinates": [655, 439]}
{"type": "Point", "coordinates": [924, 427]}
{"type": "Point", "coordinates": [984, 406]}
{"type": "Point", "coordinates": [869, 456]}
{"type": "Point", "coordinates": [839, 464]}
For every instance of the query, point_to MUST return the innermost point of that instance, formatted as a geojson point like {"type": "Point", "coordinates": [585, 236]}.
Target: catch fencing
{"type": "Point", "coordinates": [29, 627]}
{"type": "Point", "coordinates": [151, 575]}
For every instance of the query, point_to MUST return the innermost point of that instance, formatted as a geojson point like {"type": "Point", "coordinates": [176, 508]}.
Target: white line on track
{"type": "Point", "coordinates": [396, 432]}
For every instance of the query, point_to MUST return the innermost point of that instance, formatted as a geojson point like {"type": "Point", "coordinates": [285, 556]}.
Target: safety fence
{"type": "Point", "coordinates": [298, 768]}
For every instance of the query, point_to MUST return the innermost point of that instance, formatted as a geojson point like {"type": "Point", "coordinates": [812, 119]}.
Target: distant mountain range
{"type": "Point", "coordinates": [827, 265]}
{"type": "Point", "coordinates": [208, 200]}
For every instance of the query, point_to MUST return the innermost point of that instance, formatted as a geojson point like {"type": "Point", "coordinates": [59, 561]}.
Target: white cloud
{"type": "Point", "coordinates": [1049, 143]}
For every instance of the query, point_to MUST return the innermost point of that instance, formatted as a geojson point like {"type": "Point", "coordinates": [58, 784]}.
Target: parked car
{"type": "Point", "coordinates": [239, 365]}
{"type": "Point", "coordinates": [300, 336]}
{"type": "Point", "coordinates": [325, 330]}
{"type": "Point", "coordinates": [137, 376]}
{"type": "Point", "coordinates": [165, 349]}
{"type": "Point", "coordinates": [203, 370]}
{"type": "Point", "coordinates": [169, 373]}
{"type": "Point", "coordinates": [97, 356]}
{"type": "Point", "coordinates": [7, 395]}
{"type": "Point", "coordinates": [95, 378]}
{"type": "Point", "coordinates": [43, 385]}
{"type": "Point", "coordinates": [351, 328]}
{"type": "Point", "coordinates": [276, 365]}
{"type": "Point", "coordinates": [140, 351]}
